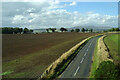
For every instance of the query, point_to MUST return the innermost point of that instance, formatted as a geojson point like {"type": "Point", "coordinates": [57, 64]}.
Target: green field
{"type": "Point", "coordinates": [112, 42]}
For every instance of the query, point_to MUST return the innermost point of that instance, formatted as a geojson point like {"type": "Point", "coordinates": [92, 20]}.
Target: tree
{"type": "Point", "coordinates": [3, 31]}
{"type": "Point", "coordinates": [110, 30]}
{"type": "Point", "coordinates": [91, 30]}
{"type": "Point", "coordinates": [7, 30]}
{"type": "Point", "coordinates": [86, 30]}
{"type": "Point", "coordinates": [31, 30]}
{"type": "Point", "coordinates": [16, 30]}
{"type": "Point", "coordinates": [63, 29]}
{"type": "Point", "coordinates": [107, 69]}
{"type": "Point", "coordinates": [11, 30]}
{"type": "Point", "coordinates": [83, 30]}
{"type": "Point", "coordinates": [53, 29]}
{"type": "Point", "coordinates": [113, 29]}
{"type": "Point", "coordinates": [77, 30]}
{"type": "Point", "coordinates": [26, 30]}
{"type": "Point", "coordinates": [105, 31]}
{"type": "Point", "coordinates": [116, 29]}
{"type": "Point", "coordinates": [20, 30]}
{"type": "Point", "coordinates": [72, 30]}
{"type": "Point", "coordinates": [47, 30]}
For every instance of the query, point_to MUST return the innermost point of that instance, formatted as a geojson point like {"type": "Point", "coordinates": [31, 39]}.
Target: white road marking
{"type": "Point", "coordinates": [82, 60]}
{"type": "Point", "coordinates": [90, 43]}
{"type": "Point", "coordinates": [85, 54]}
{"type": "Point", "coordinates": [87, 49]}
{"type": "Point", "coordinates": [89, 46]}
{"type": "Point", "coordinates": [76, 71]}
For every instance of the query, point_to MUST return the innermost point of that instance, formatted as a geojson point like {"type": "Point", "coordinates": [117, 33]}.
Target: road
{"type": "Point", "coordinates": [80, 65]}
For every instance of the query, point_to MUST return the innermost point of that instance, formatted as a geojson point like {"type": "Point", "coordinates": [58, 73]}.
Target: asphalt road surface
{"type": "Point", "coordinates": [80, 65]}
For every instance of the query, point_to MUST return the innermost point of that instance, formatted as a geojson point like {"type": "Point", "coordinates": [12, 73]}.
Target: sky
{"type": "Point", "coordinates": [45, 14]}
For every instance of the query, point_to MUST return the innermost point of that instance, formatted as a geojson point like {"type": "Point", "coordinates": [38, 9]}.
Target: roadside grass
{"type": "Point", "coordinates": [112, 42]}
{"type": "Point", "coordinates": [5, 73]}
{"type": "Point", "coordinates": [95, 62]}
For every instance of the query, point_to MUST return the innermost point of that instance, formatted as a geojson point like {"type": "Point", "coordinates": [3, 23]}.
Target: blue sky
{"type": "Point", "coordinates": [59, 14]}
{"type": "Point", "coordinates": [103, 8]}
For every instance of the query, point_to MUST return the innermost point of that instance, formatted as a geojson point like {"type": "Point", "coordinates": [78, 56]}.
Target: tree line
{"type": "Point", "coordinates": [82, 30]}
{"type": "Point", "coordinates": [54, 29]}
{"type": "Point", "coordinates": [112, 29]}
{"type": "Point", "coordinates": [16, 30]}
{"type": "Point", "coordinates": [72, 30]}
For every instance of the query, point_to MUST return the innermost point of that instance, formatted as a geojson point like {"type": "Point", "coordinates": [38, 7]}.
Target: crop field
{"type": "Point", "coordinates": [28, 55]}
{"type": "Point", "coordinates": [113, 42]}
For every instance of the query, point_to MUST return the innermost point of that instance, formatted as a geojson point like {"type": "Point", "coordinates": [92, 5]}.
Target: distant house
{"type": "Point", "coordinates": [57, 30]}
{"type": "Point", "coordinates": [44, 30]}
{"type": "Point", "coordinates": [50, 30]}
{"type": "Point", "coordinates": [39, 30]}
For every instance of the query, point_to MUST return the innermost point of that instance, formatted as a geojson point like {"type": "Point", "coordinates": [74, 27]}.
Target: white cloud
{"type": "Point", "coordinates": [18, 19]}
{"type": "Point", "coordinates": [60, 0]}
{"type": "Point", "coordinates": [61, 17]}
{"type": "Point", "coordinates": [73, 3]}
{"type": "Point", "coordinates": [25, 0]}
{"type": "Point", "coordinates": [30, 10]}
{"type": "Point", "coordinates": [50, 14]}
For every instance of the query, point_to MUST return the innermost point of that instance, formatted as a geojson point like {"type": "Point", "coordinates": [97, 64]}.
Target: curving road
{"type": "Point", "coordinates": [80, 66]}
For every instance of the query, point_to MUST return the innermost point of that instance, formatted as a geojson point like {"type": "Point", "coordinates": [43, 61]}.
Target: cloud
{"type": "Point", "coordinates": [25, 0]}
{"type": "Point", "coordinates": [51, 14]}
{"type": "Point", "coordinates": [60, 0]}
{"type": "Point", "coordinates": [73, 3]}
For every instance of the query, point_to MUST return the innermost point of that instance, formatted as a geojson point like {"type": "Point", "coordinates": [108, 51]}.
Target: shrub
{"type": "Point", "coordinates": [77, 30]}
{"type": "Point", "coordinates": [107, 69]}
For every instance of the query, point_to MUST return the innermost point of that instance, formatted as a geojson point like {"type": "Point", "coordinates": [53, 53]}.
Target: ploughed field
{"type": "Point", "coordinates": [113, 42]}
{"type": "Point", "coordinates": [28, 55]}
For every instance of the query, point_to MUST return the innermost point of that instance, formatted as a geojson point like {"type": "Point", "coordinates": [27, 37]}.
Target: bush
{"type": "Point", "coordinates": [77, 30]}
{"type": "Point", "coordinates": [107, 69]}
